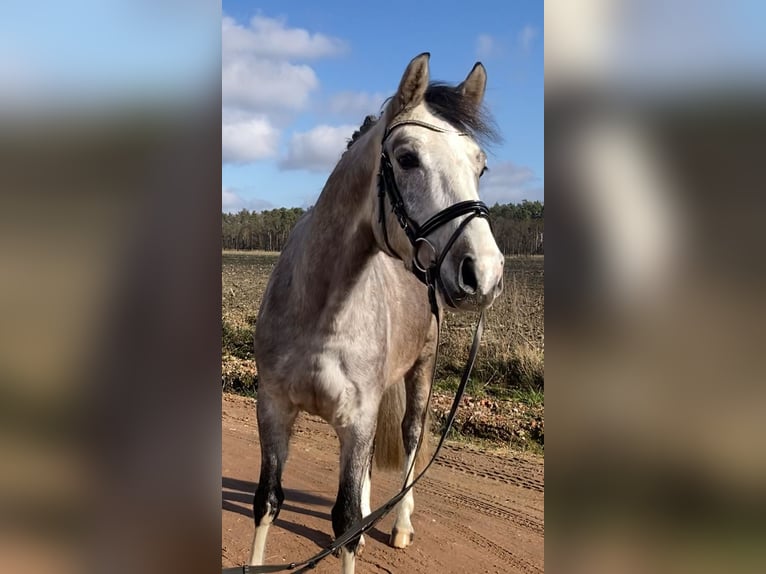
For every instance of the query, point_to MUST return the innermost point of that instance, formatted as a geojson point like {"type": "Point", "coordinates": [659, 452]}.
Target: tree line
{"type": "Point", "coordinates": [518, 228]}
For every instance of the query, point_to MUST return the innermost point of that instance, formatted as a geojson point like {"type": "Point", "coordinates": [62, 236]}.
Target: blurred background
{"type": "Point", "coordinates": [654, 139]}
{"type": "Point", "coordinates": [110, 156]}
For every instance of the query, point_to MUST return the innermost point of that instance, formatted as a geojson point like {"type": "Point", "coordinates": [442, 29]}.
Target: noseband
{"type": "Point", "coordinates": [417, 234]}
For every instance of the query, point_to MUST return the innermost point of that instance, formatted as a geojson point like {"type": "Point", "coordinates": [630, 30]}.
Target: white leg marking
{"type": "Point", "coordinates": [366, 488]}
{"type": "Point", "coordinates": [259, 541]}
{"type": "Point", "coordinates": [402, 534]}
{"type": "Point", "coordinates": [347, 561]}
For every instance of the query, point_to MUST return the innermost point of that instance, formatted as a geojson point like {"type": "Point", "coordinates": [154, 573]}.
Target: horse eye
{"type": "Point", "coordinates": [408, 160]}
{"type": "Point", "coordinates": [484, 170]}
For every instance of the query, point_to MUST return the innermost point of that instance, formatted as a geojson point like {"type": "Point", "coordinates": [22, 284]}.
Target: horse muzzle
{"type": "Point", "coordinates": [475, 282]}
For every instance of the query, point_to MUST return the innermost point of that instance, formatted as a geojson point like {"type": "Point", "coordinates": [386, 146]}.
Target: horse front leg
{"type": "Point", "coordinates": [417, 384]}
{"type": "Point", "coordinates": [353, 501]}
{"type": "Point", "coordinates": [275, 422]}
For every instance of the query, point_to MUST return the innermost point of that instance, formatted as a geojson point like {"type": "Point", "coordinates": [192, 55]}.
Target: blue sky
{"type": "Point", "coordinates": [299, 77]}
{"type": "Point", "coordinates": [96, 53]}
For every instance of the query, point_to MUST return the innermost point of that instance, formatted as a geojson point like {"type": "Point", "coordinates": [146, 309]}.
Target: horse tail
{"type": "Point", "coordinates": [389, 446]}
{"type": "Point", "coordinates": [426, 448]}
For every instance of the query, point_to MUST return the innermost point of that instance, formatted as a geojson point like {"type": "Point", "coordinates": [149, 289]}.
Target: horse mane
{"type": "Point", "coordinates": [448, 103]}
{"type": "Point", "coordinates": [369, 121]}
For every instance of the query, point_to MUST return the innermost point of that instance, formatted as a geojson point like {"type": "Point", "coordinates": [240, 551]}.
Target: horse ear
{"type": "Point", "coordinates": [412, 87]}
{"type": "Point", "coordinates": [474, 85]}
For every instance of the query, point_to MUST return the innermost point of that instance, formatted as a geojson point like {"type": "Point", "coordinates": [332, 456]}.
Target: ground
{"type": "Point", "coordinates": [476, 510]}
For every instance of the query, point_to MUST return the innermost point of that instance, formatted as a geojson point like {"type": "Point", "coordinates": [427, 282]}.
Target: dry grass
{"type": "Point", "coordinates": [510, 365]}
{"type": "Point", "coordinates": [527, 365]}
{"type": "Point", "coordinates": [513, 346]}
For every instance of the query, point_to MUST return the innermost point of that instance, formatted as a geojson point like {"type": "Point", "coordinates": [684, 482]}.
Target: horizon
{"type": "Point", "coordinates": [224, 212]}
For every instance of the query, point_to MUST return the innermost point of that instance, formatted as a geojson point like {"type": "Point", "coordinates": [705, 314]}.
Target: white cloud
{"type": "Point", "coordinates": [265, 85]}
{"type": "Point", "coordinates": [262, 85]}
{"type": "Point", "coordinates": [230, 200]}
{"type": "Point", "coordinates": [356, 104]}
{"type": "Point", "coordinates": [507, 182]}
{"type": "Point", "coordinates": [233, 202]}
{"type": "Point", "coordinates": [248, 140]}
{"type": "Point", "coordinates": [259, 72]}
{"type": "Point", "coordinates": [271, 38]}
{"type": "Point", "coordinates": [317, 149]}
{"type": "Point", "coordinates": [526, 36]}
{"type": "Point", "coordinates": [486, 46]}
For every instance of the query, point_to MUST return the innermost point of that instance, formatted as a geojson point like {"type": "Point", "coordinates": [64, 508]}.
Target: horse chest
{"type": "Point", "coordinates": [336, 384]}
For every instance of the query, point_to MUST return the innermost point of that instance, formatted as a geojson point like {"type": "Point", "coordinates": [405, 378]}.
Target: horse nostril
{"type": "Point", "coordinates": [468, 281]}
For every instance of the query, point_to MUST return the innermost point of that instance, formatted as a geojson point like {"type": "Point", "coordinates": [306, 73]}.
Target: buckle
{"type": "Point", "coordinates": [416, 254]}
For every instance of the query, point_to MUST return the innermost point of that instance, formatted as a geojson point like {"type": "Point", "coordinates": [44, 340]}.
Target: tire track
{"type": "Point", "coordinates": [489, 507]}
{"type": "Point", "coordinates": [486, 507]}
{"type": "Point", "coordinates": [479, 467]}
{"type": "Point", "coordinates": [517, 562]}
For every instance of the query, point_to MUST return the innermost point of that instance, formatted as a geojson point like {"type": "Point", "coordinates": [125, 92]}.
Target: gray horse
{"type": "Point", "coordinates": [345, 326]}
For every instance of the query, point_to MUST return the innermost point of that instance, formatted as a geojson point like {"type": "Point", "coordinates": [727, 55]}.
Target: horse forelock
{"type": "Point", "coordinates": [448, 103]}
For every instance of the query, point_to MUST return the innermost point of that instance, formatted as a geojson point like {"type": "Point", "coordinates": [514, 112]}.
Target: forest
{"type": "Point", "coordinates": [518, 228]}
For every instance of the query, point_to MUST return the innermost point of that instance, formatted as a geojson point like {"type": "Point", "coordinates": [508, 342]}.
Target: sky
{"type": "Point", "coordinates": [299, 77]}
{"type": "Point", "coordinates": [97, 53]}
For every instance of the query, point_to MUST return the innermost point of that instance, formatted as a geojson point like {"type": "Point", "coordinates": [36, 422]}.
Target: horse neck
{"type": "Point", "coordinates": [341, 240]}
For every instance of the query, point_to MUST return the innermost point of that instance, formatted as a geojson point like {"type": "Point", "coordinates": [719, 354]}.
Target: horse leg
{"type": "Point", "coordinates": [353, 501]}
{"type": "Point", "coordinates": [366, 492]}
{"type": "Point", "coordinates": [275, 421]}
{"type": "Point", "coordinates": [417, 385]}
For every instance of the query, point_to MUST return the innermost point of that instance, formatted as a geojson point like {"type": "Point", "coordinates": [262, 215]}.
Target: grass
{"type": "Point", "coordinates": [526, 366]}
{"type": "Point", "coordinates": [530, 396]}
{"type": "Point", "coordinates": [509, 369]}
{"type": "Point", "coordinates": [513, 346]}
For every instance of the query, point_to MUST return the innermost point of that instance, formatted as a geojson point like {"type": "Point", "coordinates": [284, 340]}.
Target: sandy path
{"type": "Point", "coordinates": [475, 511]}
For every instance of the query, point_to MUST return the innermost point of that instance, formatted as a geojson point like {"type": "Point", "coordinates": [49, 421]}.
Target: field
{"type": "Point", "coordinates": [504, 401]}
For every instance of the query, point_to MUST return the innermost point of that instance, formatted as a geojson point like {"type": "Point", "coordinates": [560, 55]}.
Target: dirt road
{"type": "Point", "coordinates": [475, 511]}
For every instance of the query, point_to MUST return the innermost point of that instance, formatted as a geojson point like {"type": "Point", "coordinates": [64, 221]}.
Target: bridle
{"type": "Point", "coordinates": [417, 234]}
{"type": "Point", "coordinates": [430, 276]}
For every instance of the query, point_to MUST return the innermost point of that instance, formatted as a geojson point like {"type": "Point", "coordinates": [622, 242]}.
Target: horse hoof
{"type": "Point", "coordinates": [401, 539]}
{"type": "Point", "coordinates": [360, 546]}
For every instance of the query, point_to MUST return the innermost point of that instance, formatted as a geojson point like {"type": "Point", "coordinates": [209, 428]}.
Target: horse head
{"type": "Point", "coordinates": [429, 213]}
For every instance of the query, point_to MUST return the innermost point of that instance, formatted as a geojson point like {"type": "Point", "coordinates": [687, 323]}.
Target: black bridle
{"type": "Point", "coordinates": [417, 234]}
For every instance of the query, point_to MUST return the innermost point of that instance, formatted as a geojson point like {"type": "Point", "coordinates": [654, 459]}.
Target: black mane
{"type": "Point", "coordinates": [369, 121]}
{"type": "Point", "coordinates": [447, 102]}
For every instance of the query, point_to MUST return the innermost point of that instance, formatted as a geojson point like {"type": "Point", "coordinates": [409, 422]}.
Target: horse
{"type": "Point", "coordinates": [345, 330]}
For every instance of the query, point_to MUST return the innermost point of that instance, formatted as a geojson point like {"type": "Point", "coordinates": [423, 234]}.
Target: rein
{"type": "Point", "coordinates": [430, 277]}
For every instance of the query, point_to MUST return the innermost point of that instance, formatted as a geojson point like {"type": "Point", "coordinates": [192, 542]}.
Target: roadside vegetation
{"type": "Point", "coordinates": [504, 401]}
